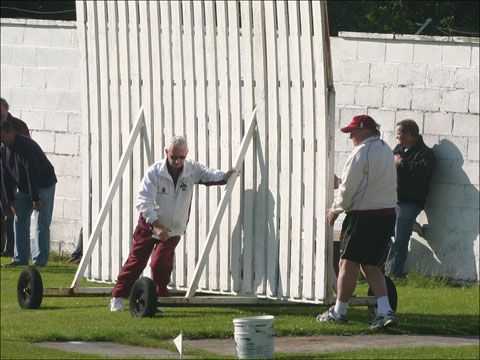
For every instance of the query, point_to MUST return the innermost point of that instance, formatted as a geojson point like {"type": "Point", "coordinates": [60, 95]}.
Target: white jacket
{"type": "Point", "coordinates": [158, 198]}
{"type": "Point", "coordinates": [369, 178]}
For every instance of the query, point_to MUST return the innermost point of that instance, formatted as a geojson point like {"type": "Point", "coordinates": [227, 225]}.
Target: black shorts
{"type": "Point", "coordinates": [365, 238]}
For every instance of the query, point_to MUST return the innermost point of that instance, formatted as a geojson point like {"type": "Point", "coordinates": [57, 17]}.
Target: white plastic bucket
{"type": "Point", "coordinates": [254, 337]}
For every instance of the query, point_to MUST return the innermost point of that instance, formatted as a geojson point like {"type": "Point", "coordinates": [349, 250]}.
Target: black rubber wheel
{"type": "Point", "coordinates": [392, 296]}
{"type": "Point", "coordinates": [30, 289]}
{"type": "Point", "coordinates": [143, 298]}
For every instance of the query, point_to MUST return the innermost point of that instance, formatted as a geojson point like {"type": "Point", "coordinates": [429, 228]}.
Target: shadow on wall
{"type": "Point", "coordinates": [452, 217]}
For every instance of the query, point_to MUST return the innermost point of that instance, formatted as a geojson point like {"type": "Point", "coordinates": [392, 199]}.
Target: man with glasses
{"type": "Point", "coordinates": [164, 200]}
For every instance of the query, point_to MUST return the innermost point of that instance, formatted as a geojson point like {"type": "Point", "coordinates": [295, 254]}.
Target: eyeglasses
{"type": "Point", "coordinates": [174, 157]}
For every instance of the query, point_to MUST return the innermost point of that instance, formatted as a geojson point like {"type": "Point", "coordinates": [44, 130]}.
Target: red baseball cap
{"type": "Point", "coordinates": [360, 122]}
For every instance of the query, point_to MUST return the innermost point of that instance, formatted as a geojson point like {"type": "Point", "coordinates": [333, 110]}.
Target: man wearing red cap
{"type": "Point", "coordinates": [368, 195]}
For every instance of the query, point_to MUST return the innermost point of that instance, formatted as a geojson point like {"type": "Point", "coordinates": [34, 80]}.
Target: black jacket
{"type": "Point", "coordinates": [414, 172]}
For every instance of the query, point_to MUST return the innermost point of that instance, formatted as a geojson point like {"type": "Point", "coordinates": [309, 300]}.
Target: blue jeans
{"type": "Point", "coordinates": [406, 215]}
{"type": "Point", "coordinates": [43, 218]}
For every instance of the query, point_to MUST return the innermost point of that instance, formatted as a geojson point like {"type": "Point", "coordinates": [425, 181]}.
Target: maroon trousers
{"type": "Point", "coordinates": [162, 263]}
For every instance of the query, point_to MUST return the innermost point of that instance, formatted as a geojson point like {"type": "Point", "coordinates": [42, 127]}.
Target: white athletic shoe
{"type": "Point", "coordinates": [116, 304]}
{"type": "Point", "coordinates": [160, 309]}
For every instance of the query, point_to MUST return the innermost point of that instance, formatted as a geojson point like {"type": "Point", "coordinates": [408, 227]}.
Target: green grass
{"type": "Point", "coordinates": [434, 310]}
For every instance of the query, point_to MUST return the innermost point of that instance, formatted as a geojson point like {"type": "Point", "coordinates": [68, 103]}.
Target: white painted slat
{"type": "Point", "coordinates": [177, 75]}
{"type": "Point", "coordinates": [322, 152]}
{"type": "Point", "coordinates": [297, 132]}
{"type": "Point", "coordinates": [285, 150]}
{"type": "Point", "coordinates": [116, 238]}
{"type": "Point", "coordinates": [190, 238]}
{"type": "Point", "coordinates": [225, 138]}
{"type": "Point", "coordinates": [273, 148]}
{"type": "Point", "coordinates": [310, 161]}
{"type": "Point", "coordinates": [145, 90]}
{"type": "Point", "coordinates": [247, 105]}
{"type": "Point", "coordinates": [213, 131]}
{"type": "Point", "coordinates": [128, 195]}
{"type": "Point", "coordinates": [94, 93]}
{"type": "Point", "coordinates": [202, 150]}
{"type": "Point", "coordinates": [84, 71]}
{"type": "Point", "coordinates": [104, 144]}
{"type": "Point", "coordinates": [236, 136]}
{"type": "Point", "coordinates": [261, 162]}
{"type": "Point", "coordinates": [178, 275]}
{"type": "Point", "coordinates": [136, 102]}
{"type": "Point", "coordinates": [157, 139]}
{"type": "Point", "coordinates": [165, 42]}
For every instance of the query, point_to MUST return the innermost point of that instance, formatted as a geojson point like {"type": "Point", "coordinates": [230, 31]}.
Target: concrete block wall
{"type": "Point", "coordinates": [434, 81]}
{"type": "Point", "coordinates": [40, 80]}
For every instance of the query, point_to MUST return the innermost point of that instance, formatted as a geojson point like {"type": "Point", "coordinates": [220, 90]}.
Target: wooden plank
{"type": "Point", "coordinates": [236, 137]}
{"type": "Point", "coordinates": [104, 145]}
{"type": "Point", "coordinates": [116, 237]}
{"type": "Point", "coordinates": [286, 150]}
{"type": "Point", "coordinates": [273, 148]}
{"type": "Point", "coordinates": [108, 199]}
{"type": "Point", "coordinates": [321, 281]}
{"type": "Point", "coordinates": [202, 207]}
{"type": "Point", "coordinates": [248, 171]}
{"type": "Point", "coordinates": [222, 206]}
{"type": "Point", "coordinates": [135, 98]}
{"type": "Point", "coordinates": [178, 274]}
{"type": "Point", "coordinates": [157, 138]}
{"type": "Point", "coordinates": [262, 161]}
{"type": "Point", "coordinates": [213, 130]}
{"type": "Point", "coordinates": [85, 101]}
{"type": "Point", "coordinates": [190, 238]}
{"type": "Point", "coordinates": [224, 239]}
{"type": "Point", "coordinates": [166, 43]}
{"type": "Point", "coordinates": [94, 76]}
{"type": "Point", "coordinates": [310, 160]}
{"type": "Point", "coordinates": [297, 136]}
{"type": "Point", "coordinates": [81, 8]}
{"type": "Point", "coordinates": [126, 188]}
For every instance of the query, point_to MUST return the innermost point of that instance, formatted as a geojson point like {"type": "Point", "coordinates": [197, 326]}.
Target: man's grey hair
{"type": "Point", "coordinates": [178, 142]}
{"type": "Point", "coordinates": [4, 103]}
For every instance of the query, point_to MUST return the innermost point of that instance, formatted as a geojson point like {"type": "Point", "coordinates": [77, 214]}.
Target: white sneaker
{"type": "Point", "coordinates": [116, 304]}
{"type": "Point", "coordinates": [160, 309]}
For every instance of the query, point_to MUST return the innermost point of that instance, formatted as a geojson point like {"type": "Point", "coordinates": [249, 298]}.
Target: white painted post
{"type": "Point", "coordinates": [221, 208]}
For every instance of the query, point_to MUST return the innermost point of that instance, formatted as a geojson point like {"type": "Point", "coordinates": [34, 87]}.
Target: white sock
{"type": "Point", "coordinates": [383, 305]}
{"type": "Point", "coordinates": [341, 307]}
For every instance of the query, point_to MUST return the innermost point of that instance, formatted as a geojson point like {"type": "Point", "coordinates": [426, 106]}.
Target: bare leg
{"type": "Point", "coordinates": [375, 279]}
{"type": "Point", "coordinates": [347, 279]}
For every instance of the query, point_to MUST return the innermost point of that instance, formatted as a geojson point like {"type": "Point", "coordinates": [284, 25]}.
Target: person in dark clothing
{"type": "Point", "coordinates": [415, 163]}
{"type": "Point", "coordinates": [6, 214]}
{"type": "Point", "coordinates": [24, 164]}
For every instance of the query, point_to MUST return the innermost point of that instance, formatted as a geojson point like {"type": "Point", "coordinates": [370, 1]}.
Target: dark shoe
{"type": "Point", "coordinates": [384, 321]}
{"type": "Point", "coordinates": [37, 265]}
{"type": "Point", "coordinates": [332, 317]}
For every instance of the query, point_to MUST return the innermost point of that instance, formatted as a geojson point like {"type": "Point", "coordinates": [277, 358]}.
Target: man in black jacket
{"type": "Point", "coordinates": [415, 164]}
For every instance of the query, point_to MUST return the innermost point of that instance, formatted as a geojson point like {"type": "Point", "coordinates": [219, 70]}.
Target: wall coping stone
{"type": "Point", "coordinates": [39, 23]}
{"type": "Point", "coordinates": [414, 38]}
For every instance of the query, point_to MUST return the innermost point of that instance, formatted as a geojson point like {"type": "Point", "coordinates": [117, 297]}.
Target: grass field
{"type": "Point", "coordinates": [425, 307]}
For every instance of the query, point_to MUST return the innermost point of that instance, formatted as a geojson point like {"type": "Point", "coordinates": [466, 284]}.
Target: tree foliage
{"type": "Point", "coordinates": [455, 18]}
